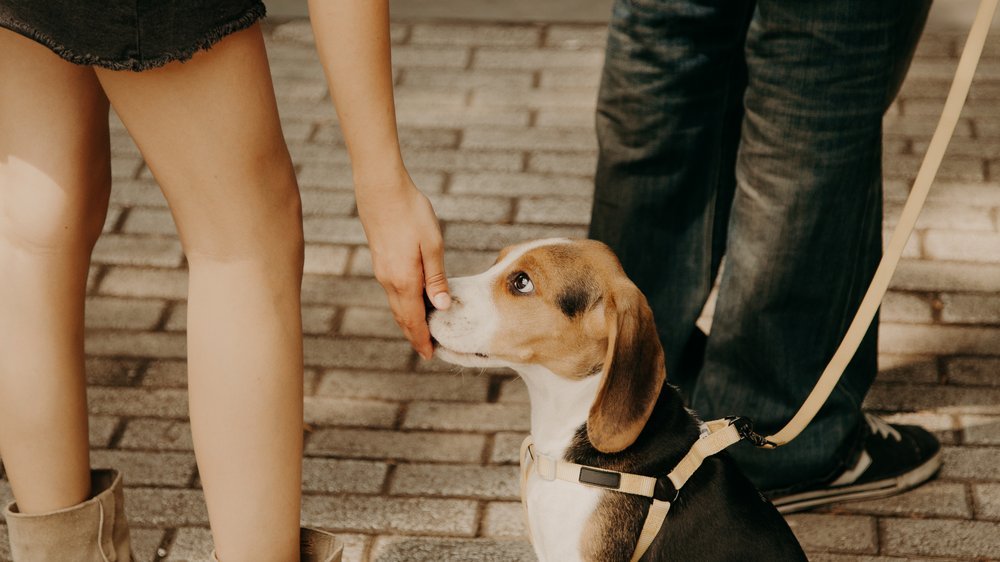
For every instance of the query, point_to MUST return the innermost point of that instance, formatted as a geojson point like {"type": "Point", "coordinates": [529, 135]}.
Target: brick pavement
{"type": "Point", "coordinates": [412, 461]}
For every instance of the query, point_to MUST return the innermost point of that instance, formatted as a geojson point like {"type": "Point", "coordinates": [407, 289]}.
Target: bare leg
{"type": "Point", "coordinates": [210, 133]}
{"type": "Point", "coordinates": [55, 178]}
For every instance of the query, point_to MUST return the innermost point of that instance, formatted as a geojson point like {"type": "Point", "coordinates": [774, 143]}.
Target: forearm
{"type": "Point", "coordinates": [352, 37]}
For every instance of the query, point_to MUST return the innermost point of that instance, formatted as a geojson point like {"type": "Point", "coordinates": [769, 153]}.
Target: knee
{"type": "Point", "coordinates": [42, 214]}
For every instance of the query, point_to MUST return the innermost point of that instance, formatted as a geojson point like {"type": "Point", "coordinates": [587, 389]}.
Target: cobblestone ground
{"type": "Point", "coordinates": [411, 461]}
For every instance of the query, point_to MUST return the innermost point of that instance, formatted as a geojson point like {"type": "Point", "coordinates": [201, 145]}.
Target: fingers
{"type": "Point", "coordinates": [435, 280]}
{"type": "Point", "coordinates": [406, 300]}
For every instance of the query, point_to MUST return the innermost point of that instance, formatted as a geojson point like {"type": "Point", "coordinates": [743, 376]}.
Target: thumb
{"type": "Point", "coordinates": [435, 280]}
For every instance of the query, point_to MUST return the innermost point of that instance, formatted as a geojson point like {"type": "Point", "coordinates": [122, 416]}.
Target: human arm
{"type": "Point", "coordinates": [352, 37]}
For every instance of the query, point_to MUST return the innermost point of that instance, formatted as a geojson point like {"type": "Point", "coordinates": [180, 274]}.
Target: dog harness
{"type": "Point", "coordinates": [715, 436]}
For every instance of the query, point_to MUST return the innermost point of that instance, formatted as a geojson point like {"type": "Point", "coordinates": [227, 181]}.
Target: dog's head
{"type": "Point", "coordinates": [566, 306]}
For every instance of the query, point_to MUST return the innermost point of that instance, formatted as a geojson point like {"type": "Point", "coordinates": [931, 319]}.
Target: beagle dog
{"type": "Point", "coordinates": [563, 315]}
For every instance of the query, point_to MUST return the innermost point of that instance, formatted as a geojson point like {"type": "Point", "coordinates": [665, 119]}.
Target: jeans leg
{"type": "Point", "coordinates": [672, 79]}
{"type": "Point", "coordinates": [805, 231]}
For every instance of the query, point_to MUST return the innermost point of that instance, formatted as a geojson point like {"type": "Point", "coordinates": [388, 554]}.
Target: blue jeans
{"type": "Point", "coordinates": [754, 131]}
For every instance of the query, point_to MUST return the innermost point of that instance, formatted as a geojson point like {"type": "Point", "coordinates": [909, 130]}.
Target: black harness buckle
{"type": "Point", "coordinates": [602, 478]}
{"type": "Point", "coordinates": [745, 428]}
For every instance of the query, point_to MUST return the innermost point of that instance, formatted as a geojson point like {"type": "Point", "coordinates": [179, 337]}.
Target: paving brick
{"type": "Point", "coordinates": [125, 167]}
{"type": "Point", "coordinates": [477, 34]}
{"type": "Point", "coordinates": [149, 221]}
{"type": "Point", "coordinates": [504, 520]}
{"type": "Point", "coordinates": [493, 482]}
{"type": "Point", "coordinates": [395, 386]}
{"type": "Point", "coordinates": [423, 56]}
{"type": "Point", "coordinates": [974, 370]}
{"type": "Point", "coordinates": [987, 498]}
{"type": "Point", "coordinates": [529, 139]}
{"type": "Point", "coordinates": [942, 399]}
{"type": "Point", "coordinates": [356, 353]}
{"type": "Point", "coordinates": [140, 283]}
{"type": "Point", "coordinates": [166, 374]}
{"type": "Point", "coordinates": [457, 262]}
{"type": "Point", "coordinates": [946, 217]}
{"type": "Point", "coordinates": [165, 507]}
{"type": "Point", "coordinates": [980, 430]}
{"type": "Point", "coordinates": [971, 463]}
{"type": "Point", "coordinates": [427, 549]}
{"type": "Point", "coordinates": [191, 544]}
{"type": "Point", "coordinates": [506, 447]}
{"type": "Point", "coordinates": [130, 193]}
{"type": "Point", "coordinates": [564, 163]}
{"type": "Point", "coordinates": [461, 79]}
{"type": "Point", "coordinates": [983, 194]}
{"type": "Point", "coordinates": [471, 208]}
{"type": "Point", "coordinates": [971, 309]}
{"type": "Point", "coordinates": [907, 368]}
{"type": "Point", "coordinates": [537, 58]}
{"type": "Point", "coordinates": [520, 184]}
{"type": "Point", "coordinates": [117, 249]}
{"type": "Point", "coordinates": [380, 514]}
{"type": "Point", "coordinates": [105, 371]}
{"type": "Point", "coordinates": [143, 469]}
{"type": "Point", "coordinates": [941, 538]}
{"type": "Point", "coordinates": [324, 259]}
{"type": "Point", "coordinates": [322, 202]}
{"type": "Point", "coordinates": [412, 446]}
{"type": "Point", "coordinates": [558, 210]}
{"type": "Point", "coordinates": [464, 160]}
{"type": "Point", "coordinates": [582, 100]}
{"type": "Point", "coordinates": [337, 476]}
{"type": "Point", "coordinates": [157, 434]}
{"type": "Point", "coordinates": [409, 137]}
{"type": "Point", "coordinates": [566, 119]}
{"type": "Point", "coordinates": [467, 417]}
{"type": "Point", "coordinates": [145, 543]}
{"type": "Point", "coordinates": [135, 344]}
{"type": "Point", "coordinates": [935, 499]}
{"type": "Point", "coordinates": [571, 79]}
{"type": "Point", "coordinates": [121, 314]}
{"type": "Point", "coordinates": [843, 533]}
{"type": "Point", "coordinates": [154, 403]}
{"type": "Point", "coordinates": [897, 125]}
{"type": "Point", "coordinates": [514, 391]}
{"type": "Point", "coordinates": [350, 412]}
{"type": "Point", "coordinates": [101, 428]}
{"type": "Point", "coordinates": [335, 230]}
{"type": "Point", "coordinates": [325, 290]}
{"type": "Point", "coordinates": [461, 117]}
{"type": "Point", "coordinates": [907, 307]}
{"type": "Point", "coordinates": [973, 340]}
{"type": "Point", "coordinates": [942, 425]}
{"type": "Point", "coordinates": [926, 275]}
{"type": "Point", "coordinates": [963, 246]}
{"type": "Point", "coordinates": [495, 237]}
{"type": "Point", "coordinates": [376, 322]}
{"type": "Point", "coordinates": [576, 36]}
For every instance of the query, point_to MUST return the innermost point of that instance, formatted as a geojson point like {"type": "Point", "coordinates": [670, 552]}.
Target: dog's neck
{"type": "Point", "coordinates": [559, 406]}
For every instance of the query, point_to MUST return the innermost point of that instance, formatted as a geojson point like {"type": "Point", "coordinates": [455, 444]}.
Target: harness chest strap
{"type": "Point", "coordinates": [720, 434]}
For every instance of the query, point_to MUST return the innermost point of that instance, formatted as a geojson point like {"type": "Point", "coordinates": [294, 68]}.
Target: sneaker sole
{"type": "Point", "coordinates": [855, 492]}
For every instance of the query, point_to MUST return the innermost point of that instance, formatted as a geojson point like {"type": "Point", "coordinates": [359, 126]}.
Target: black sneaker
{"type": "Point", "coordinates": [895, 458]}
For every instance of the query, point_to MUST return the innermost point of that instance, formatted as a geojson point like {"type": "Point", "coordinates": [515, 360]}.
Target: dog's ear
{"type": "Point", "coordinates": [633, 371]}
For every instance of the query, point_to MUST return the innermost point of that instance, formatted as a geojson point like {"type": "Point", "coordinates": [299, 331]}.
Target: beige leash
{"type": "Point", "coordinates": [890, 259]}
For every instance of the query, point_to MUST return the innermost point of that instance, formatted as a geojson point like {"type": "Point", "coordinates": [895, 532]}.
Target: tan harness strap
{"type": "Point", "coordinates": [654, 520]}
{"type": "Point", "coordinates": [890, 259]}
{"type": "Point", "coordinates": [715, 441]}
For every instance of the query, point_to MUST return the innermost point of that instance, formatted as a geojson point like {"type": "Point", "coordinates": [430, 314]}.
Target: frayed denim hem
{"type": "Point", "coordinates": [210, 38]}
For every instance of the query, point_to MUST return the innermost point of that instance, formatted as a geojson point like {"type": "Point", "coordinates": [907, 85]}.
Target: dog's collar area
{"type": "Point", "coordinates": [716, 436]}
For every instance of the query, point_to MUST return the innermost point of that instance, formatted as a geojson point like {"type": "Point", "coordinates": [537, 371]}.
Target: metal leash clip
{"type": "Point", "coordinates": [745, 428]}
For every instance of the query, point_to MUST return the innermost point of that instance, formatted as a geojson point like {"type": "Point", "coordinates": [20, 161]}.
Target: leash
{"type": "Point", "coordinates": [890, 259]}
{"type": "Point", "coordinates": [717, 435]}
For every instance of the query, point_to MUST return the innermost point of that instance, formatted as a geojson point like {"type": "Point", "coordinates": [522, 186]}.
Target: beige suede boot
{"type": "Point", "coordinates": [315, 546]}
{"type": "Point", "coordinates": [93, 531]}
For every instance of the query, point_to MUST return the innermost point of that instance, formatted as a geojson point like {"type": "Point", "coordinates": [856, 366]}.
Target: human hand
{"type": "Point", "coordinates": [407, 253]}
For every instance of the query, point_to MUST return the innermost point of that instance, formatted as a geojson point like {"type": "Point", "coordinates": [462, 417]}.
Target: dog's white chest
{"type": "Point", "coordinates": [558, 512]}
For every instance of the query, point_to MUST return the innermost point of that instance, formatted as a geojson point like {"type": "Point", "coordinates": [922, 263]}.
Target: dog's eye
{"type": "Point", "coordinates": [522, 283]}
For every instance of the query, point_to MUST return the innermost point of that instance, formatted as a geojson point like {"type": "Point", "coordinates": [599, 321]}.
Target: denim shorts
{"type": "Point", "coordinates": [128, 34]}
